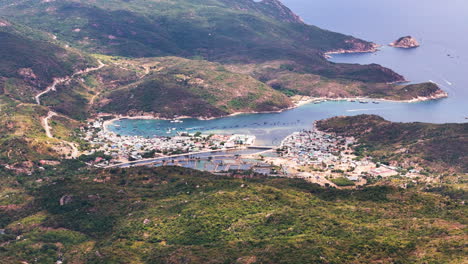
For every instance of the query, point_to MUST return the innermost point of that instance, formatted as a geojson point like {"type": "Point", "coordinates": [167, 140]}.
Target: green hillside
{"type": "Point", "coordinates": [217, 30]}
{"type": "Point", "coordinates": [30, 61]}
{"type": "Point", "coordinates": [176, 86]}
{"type": "Point", "coordinates": [236, 34]}
{"type": "Point", "coordinates": [174, 215]}
{"type": "Point", "coordinates": [288, 78]}
{"type": "Point", "coordinates": [438, 148]}
{"type": "Point", "coordinates": [206, 58]}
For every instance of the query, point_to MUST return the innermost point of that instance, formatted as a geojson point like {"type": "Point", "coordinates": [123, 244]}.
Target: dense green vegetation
{"type": "Point", "coordinates": [176, 86]}
{"type": "Point", "coordinates": [342, 182]}
{"type": "Point", "coordinates": [236, 58]}
{"type": "Point", "coordinates": [219, 30]}
{"type": "Point", "coordinates": [30, 63]}
{"type": "Point", "coordinates": [234, 32]}
{"type": "Point", "coordinates": [288, 78]}
{"type": "Point", "coordinates": [21, 135]}
{"type": "Point", "coordinates": [174, 215]}
{"type": "Point", "coordinates": [440, 148]}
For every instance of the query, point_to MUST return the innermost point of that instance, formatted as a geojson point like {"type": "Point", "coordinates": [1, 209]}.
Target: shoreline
{"type": "Point", "coordinates": [375, 48]}
{"type": "Point", "coordinates": [296, 103]}
{"type": "Point", "coordinates": [304, 101]}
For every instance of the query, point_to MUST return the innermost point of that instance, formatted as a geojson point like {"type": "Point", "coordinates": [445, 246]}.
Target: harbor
{"type": "Point", "coordinates": [310, 154]}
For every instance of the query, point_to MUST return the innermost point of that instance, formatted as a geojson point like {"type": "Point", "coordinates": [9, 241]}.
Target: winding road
{"type": "Point", "coordinates": [45, 121]}
{"type": "Point", "coordinates": [58, 81]}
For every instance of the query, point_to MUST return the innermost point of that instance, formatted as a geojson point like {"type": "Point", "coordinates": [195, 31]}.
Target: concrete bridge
{"type": "Point", "coordinates": [261, 147]}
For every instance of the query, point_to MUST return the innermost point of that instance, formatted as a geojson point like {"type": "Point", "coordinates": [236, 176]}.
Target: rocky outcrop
{"type": "Point", "coordinates": [405, 42]}
{"type": "Point", "coordinates": [354, 45]}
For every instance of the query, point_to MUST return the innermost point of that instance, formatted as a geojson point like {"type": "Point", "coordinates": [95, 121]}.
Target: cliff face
{"type": "Point", "coordinates": [405, 42]}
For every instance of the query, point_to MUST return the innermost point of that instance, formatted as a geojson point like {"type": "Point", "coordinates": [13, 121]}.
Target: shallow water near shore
{"type": "Point", "coordinates": [442, 58]}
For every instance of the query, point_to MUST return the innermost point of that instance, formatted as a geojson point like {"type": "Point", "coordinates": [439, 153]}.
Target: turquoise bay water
{"type": "Point", "coordinates": [440, 26]}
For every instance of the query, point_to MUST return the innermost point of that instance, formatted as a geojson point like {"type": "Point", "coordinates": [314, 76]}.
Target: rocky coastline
{"type": "Point", "coordinates": [406, 42]}
{"type": "Point", "coordinates": [358, 48]}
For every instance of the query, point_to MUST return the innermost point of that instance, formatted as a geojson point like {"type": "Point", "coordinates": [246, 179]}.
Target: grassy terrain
{"type": "Point", "coordinates": [439, 148]}
{"type": "Point", "coordinates": [289, 78]}
{"type": "Point", "coordinates": [217, 30]}
{"type": "Point", "coordinates": [169, 86]}
{"type": "Point", "coordinates": [30, 62]}
{"type": "Point", "coordinates": [237, 32]}
{"type": "Point", "coordinates": [174, 215]}
{"type": "Point", "coordinates": [23, 141]}
{"type": "Point", "coordinates": [21, 135]}
{"type": "Point", "coordinates": [68, 212]}
{"type": "Point", "coordinates": [176, 86]}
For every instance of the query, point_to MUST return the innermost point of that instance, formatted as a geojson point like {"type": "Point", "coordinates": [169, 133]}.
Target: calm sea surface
{"type": "Point", "coordinates": [440, 26]}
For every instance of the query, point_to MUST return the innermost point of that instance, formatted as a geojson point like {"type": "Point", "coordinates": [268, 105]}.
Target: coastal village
{"type": "Point", "coordinates": [327, 159]}
{"type": "Point", "coordinates": [318, 157]}
{"type": "Point", "coordinates": [123, 149]}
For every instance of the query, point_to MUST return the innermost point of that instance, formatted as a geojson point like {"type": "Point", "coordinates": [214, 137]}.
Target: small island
{"type": "Point", "coordinates": [405, 42]}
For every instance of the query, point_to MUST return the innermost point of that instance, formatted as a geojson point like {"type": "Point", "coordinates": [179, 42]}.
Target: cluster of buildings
{"type": "Point", "coordinates": [129, 148]}
{"type": "Point", "coordinates": [314, 147]}
{"type": "Point", "coordinates": [311, 154]}
{"type": "Point", "coordinates": [323, 156]}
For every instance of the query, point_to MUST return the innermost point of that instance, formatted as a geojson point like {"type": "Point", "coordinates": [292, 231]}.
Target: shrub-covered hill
{"type": "Point", "coordinates": [287, 77]}
{"type": "Point", "coordinates": [439, 148]}
{"type": "Point", "coordinates": [176, 86]}
{"type": "Point", "coordinates": [219, 30]}
{"type": "Point", "coordinates": [22, 136]}
{"type": "Point", "coordinates": [168, 86]}
{"type": "Point", "coordinates": [29, 61]}
{"type": "Point", "coordinates": [175, 215]}
{"type": "Point", "coordinates": [165, 87]}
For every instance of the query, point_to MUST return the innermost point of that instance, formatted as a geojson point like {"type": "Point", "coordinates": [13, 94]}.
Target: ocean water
{"type": "Point", "coordinates": [440, 26]}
